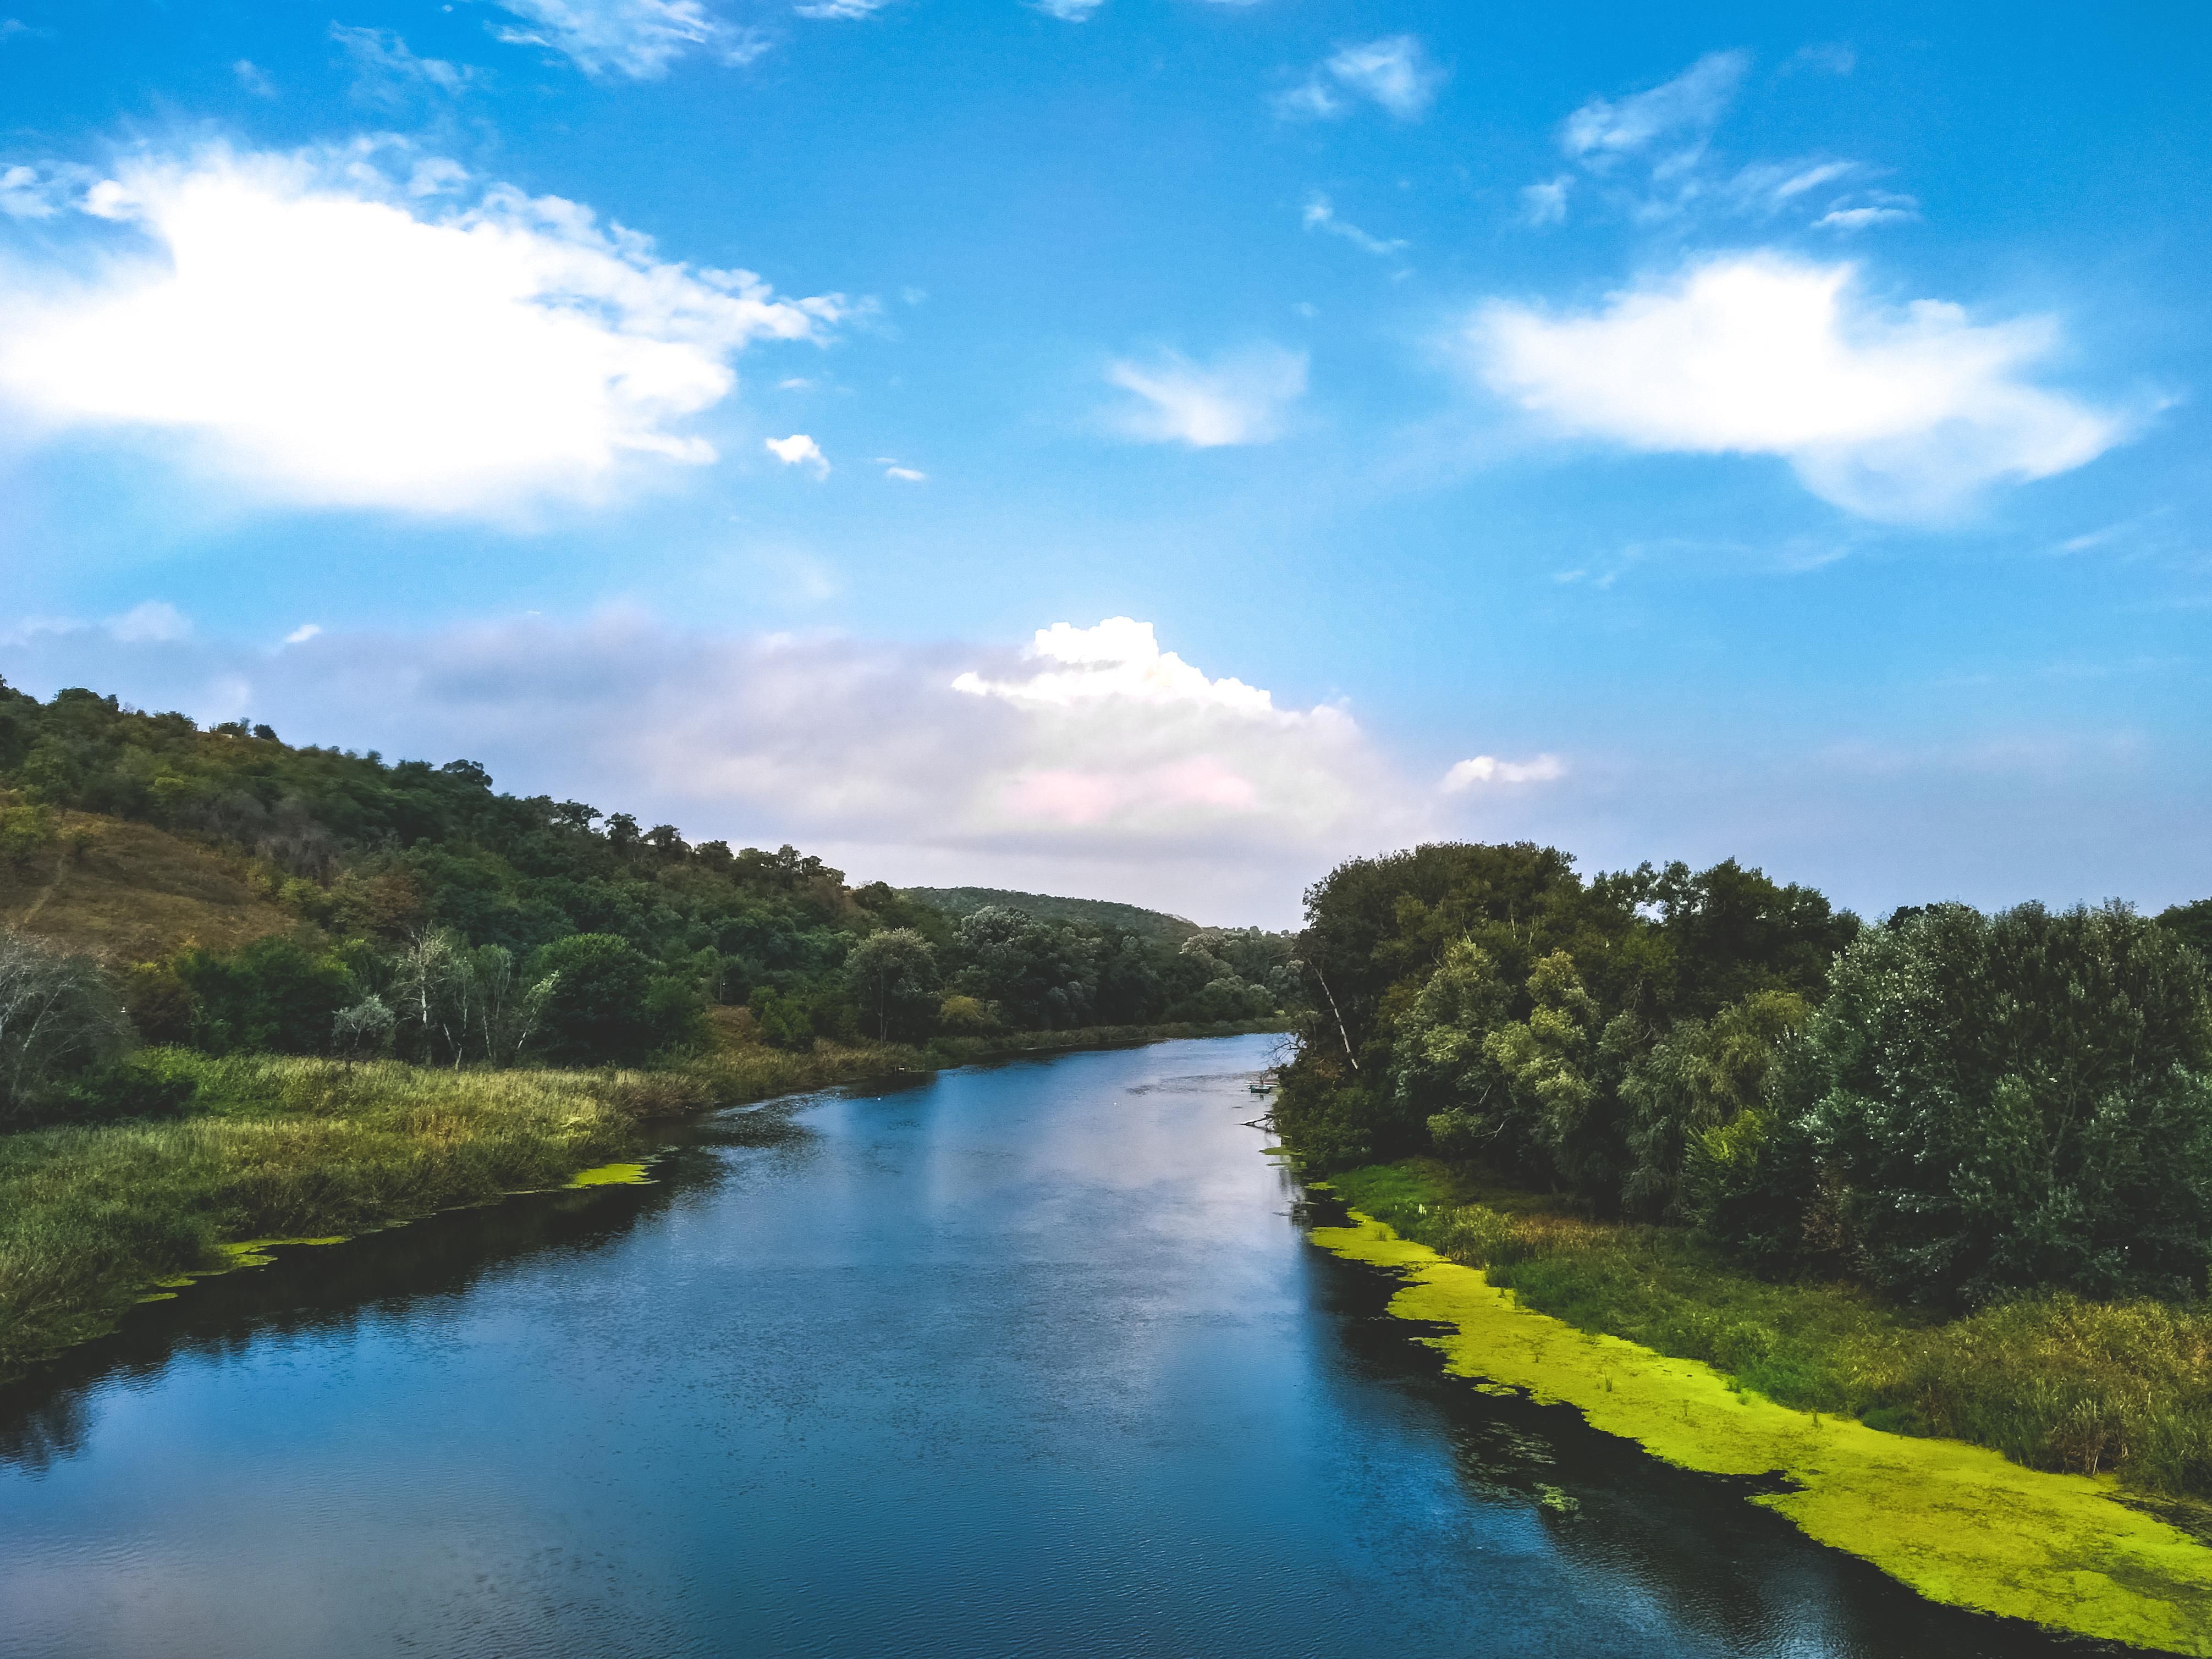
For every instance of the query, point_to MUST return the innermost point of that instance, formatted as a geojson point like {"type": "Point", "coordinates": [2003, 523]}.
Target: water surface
{"type": "Point", "coordinates": [1024, 1360]}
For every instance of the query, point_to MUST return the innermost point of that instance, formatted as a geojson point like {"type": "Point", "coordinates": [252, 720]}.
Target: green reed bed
{"type": "Point", "coordinates": [89, 1217]}
{"type": "Point", "coordinates": [2052, 1382]}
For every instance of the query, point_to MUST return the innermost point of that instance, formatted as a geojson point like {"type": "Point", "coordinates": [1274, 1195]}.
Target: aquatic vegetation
{"type": "Point", "coordinates": [1960, 1523]}
{"type": "Point", "coordinates": [611, 1175]}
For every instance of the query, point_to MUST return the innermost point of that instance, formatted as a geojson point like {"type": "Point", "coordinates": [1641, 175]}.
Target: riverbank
{"type": "Point", "coordinates": [2056, 1384]}
{"type": "Point", "coordinates": [1959, 1523]}
{"type": "Point", "coordinates": [93, 1217]}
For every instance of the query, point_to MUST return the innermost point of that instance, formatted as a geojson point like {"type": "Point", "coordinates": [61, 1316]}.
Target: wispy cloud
{"type": "Point", "coordinates": [1068, 11]}
{"type": "Point", "coordinates": [386, 73]}
{"type": "Point", "coordinates": [1240, 398]}
{"type": "Point", "coordinates": [157, 620]}
{"type": "Point", "coordinates": [1546, 201]}
{"type": "Point", "coordinates": [1489, 769]}
{"type": "Point", "coordinates": [848, 10]}
{"type": "Point", "coordinates": [250, 76]}
{"type": "Point", "coordinates": [1900, 414]}
{"type": "Point", "coordinates": [638, 39]}
{"type": "Point", "coordinates": [1395, 73]}
{"type": "Point", "coordinates": [1678, 114]}
{"type": "Point", "coordinates": [374, 327]}
{"type": "Point", "coordinates": [1320, 215]}
{"type": "Point", "coordinates": [1877, 207]}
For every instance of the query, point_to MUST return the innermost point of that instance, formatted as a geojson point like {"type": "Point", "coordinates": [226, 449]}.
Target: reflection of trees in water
{"type": "Point", "coordinates": [326, 1291]}
{"type": "Point", "coordinates": [1690, 1544]}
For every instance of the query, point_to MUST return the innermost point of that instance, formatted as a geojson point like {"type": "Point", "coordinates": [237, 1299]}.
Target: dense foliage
{"type": "Point", "coordinates": [1950, 1107]}
{"type": "Point", "coordinates": [444, 922]}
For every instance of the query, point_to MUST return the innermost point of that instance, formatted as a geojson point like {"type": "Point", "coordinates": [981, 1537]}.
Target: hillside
{"type": "Point", "coordinates": [957, 901]}
{"type": "Point", "coordinates": [127, 892]}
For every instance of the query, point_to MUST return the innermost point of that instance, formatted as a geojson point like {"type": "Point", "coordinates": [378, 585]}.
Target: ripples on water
{"type": "Point", "coordinates": [1024, 1360]}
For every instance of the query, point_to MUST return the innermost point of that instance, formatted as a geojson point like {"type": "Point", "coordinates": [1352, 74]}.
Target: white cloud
{"type": "Point", "coordinates": [303, 632]}
{"type": "Point", "coordinates": [1488, 769]}
{"type": "Point", "coordinates": [387, 73]}
{"type": "Point", "coordinates": [1239, 398]}
{"type": "Point", "coordinates": [1546, 203]}
{"type": "Point", "coordinates": [1090, 761]}
{"type": "Point", "coordinates": [1068, 11]}
{"type": "Point", "coordinates": [844, 10]}
{"type": "Point", "coordinates": [156, 621]}
{"type": "Point", "coordinates": [1320, 215]}
{"type": "Point", "coordinates": [1686, 108]}
{"type": "Point", "coordinates": [906, 474]}
{"type": "Point", "coordinates": [250, 76]}
{"type": "Point", "coordinates": [1830, 57]}
{"type": "Point", "coordinates": [636, 38]}
{"type": "Point", "coordinates": [42, 189]}
{"type": "Point", "coordinates": [799, 450]}
{"type": "Point", "coordinates": [1395, 73]}
{"type": "Point", "coordinates": [318, 328]}
{"type": "Point", "coordinates": [1901, 413]}
{"type": "Point", "coordinates": [1882, 209]}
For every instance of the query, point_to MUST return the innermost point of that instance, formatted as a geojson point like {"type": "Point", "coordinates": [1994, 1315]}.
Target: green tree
{"type": "Point", "coordinates": [603, 1004]}
{"type": "Point", "coordinates": [1984, 1104]}
{"type": "Point", "coordinates": [1698, 1078]}
{"type": "Point", "coordinates": [275, 995]}
{"type": "Point", "coordinates": [892, 977]}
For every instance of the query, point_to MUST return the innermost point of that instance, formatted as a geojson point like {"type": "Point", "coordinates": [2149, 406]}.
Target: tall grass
{"type": "Point", "coordinates": [2052, 1382]}
{"type": "Point", "coordinates": [286, 1148]}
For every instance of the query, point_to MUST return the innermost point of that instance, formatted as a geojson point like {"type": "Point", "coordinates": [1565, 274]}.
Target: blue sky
{"type": "Point", "coordinates": [1665, 435]}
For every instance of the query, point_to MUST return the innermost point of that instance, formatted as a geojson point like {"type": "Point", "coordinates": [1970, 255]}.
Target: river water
{"type": "Point", "coordinates": [1029, 1360]}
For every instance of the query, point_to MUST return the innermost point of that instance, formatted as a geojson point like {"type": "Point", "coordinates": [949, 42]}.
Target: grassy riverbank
{"type": "Point", "coordinates": [2054, 1383]}
{"type": "Point", "coordinates": [91, 1217]}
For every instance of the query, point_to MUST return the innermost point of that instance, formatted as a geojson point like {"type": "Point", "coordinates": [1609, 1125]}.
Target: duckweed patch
{"type": "Point", "coordinates": [611, 1174]}
{"type": "Point", "coordinates": [1959, 1523]}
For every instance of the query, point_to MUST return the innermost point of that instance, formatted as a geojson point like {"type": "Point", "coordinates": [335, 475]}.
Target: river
{"type": "Point", "coordinates": [1028, 1359]}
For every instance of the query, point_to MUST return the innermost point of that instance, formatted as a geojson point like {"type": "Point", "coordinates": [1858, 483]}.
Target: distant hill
{"type": "Point", "coordinates": [1099, 913]}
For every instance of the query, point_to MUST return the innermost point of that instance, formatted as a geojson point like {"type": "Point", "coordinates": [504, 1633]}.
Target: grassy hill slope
{"type": "Point", "coordinates": [128, 892]}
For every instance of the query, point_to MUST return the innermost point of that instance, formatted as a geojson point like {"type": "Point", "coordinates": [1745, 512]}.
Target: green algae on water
{"type": "Point", "coordinates": [1959, 1523]}
{"type": "Point", "coordinates": [611, 1174]}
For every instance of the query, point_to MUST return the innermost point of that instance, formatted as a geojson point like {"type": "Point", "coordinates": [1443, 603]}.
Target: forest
{"type": "Point", "coordinates": [435, 920]}
{"type": "Point", "coordinates": [1946, 1106]}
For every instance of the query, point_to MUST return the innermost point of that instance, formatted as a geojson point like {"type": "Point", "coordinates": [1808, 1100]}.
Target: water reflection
{"type": "Point", "coordinates": [1025, 1360]}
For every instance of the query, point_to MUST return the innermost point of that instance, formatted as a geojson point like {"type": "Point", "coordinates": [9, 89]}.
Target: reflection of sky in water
{"type": "Point", "coordinates": [1025, 1360]}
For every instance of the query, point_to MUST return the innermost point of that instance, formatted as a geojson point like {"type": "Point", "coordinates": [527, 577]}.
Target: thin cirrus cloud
{"type": "Point", "coordinates": [386, 73]}
{"type": "Point", "coordinates": [1240, 398]}
{"type": "Point", "coordinates": [1321, 215]}
{"type": "Point", "coordinates": [638, 39]}
{"type": "Point", "coordinates": [1068, 11]}
{"type": "Point", "coordinates": [1902, 414]}
{"type": "Point", "coordinates": [1395, 73]}
{"type": "Point", "coordinates": [1680, 113]}
{"type": "Point", "coordinates": [325, 329]}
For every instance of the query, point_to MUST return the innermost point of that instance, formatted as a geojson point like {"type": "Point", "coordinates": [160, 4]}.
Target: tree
{"type": "Point", "coordinates": [601, 1002]}
{"type": "Point", "coordinates": [1985, 1104]}
{"type": "Point", "coordinates": [57, 1019]}
{"type": "Point", "coordinates": [893, 977]}
{"type": "Point", "coordinates": [1696, 1079]}
{"type": "Point", "coordinates": [275, 995]}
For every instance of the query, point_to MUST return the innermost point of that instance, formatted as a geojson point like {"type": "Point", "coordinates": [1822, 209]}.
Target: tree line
{"type": "Point", "coordinates": [1948, 1105]}
{"type": "Point", "coordinates": [443, 921]}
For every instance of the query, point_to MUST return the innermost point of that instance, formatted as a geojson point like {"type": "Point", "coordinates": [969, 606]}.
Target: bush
{"type": "Point", "coordinates": [126, 1090]}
